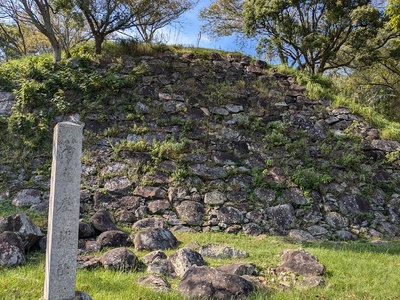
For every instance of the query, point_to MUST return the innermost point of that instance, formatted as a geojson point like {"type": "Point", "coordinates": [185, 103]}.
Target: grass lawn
{"type": "Point", "coordinates": [355, 270]}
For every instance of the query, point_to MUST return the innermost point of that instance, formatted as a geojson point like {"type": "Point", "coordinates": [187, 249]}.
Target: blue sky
{"type": "Point", "coordinates": [188, 34]}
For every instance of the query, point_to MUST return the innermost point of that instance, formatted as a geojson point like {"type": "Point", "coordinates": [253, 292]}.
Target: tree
{"type": "Point", "coordinates": [393, 11]}
{"type": "Point", "coordinates": [39, 13]}
{"type": "Point", "coordinates": [109, 16]}
{"type": "Point", "coordinates": [163, 13]}
{"type": "Point", "coordinates": [223, 18]}
{"type": "Point", "coordinates": [314, 35]}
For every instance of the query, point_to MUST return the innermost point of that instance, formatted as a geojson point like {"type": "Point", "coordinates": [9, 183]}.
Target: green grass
{"type": "Point", "coordinates": [356, 270]}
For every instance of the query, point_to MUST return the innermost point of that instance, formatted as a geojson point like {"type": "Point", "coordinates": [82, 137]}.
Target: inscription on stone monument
{"type": "Point", "coordinates": [62, 235]}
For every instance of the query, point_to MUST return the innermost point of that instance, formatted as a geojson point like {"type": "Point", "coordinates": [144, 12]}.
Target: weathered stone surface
{"type": "Point", "coordinates": [113, 238]}
{"type": "Point", "coordinates": [7, 101]}
{"type": "Point", "coordinates": [191, 212]}
{"type": "Point", "coordinates": [158, 206]}
{"type": "Point", "coordinates": [387, 146]}
{"type": "Point", "coordinates": [208, 173]}
{"type": "Point", "coordinates": [118, 185]}
{"type": "Point", "coordinates": [184, 259]}
{"type": "Point", "coordinates": [27, 197]}
{"type": "Point", "coordinates": [120, 259]}
{"type": "Point", "coordinates": [155, 239]}
{"type": "Point", "coordinates": [150, 192]}
{"type": "Point", "coordinates": [162, 266]}
{"type": "Point", "coordinates": [102, 221]}
{"type": "Point", "coordinates": [63, 219]}
{"type": "Point", "coordinates": [155, 281]}
{"type": "Point", "coordinates": [336, 220]}
{"type": "Point", "coordinates": [150, 223]}
{"type": "Point", "coordinates": [220, 251]}
{"type": "Point", "coordinates": [214, 198]}
{"type": "Point", "coordinates": [88, 262]}
{"type": "Point", "coordinates": [11, 250]}
{"type": "Point", "coordinates": [300, 235]}
{"type": "Point", "coordinates": [177, 193]}
{"type": "Point", "coordinates": [148, 258]}
{"type": "Point", "coordinates": [229, 215]}
{"type": "Point", "coordinates": [294, 196]}
{"type": "Point", "coordinates": [349, 204]}
{"type": "Point", "coordinates": [208, 283]}
{"type": "Point", "coordinates": [282, 216]}
{"type": "Point", "coordinates": [20, 224]}
{"type": "Point", "coordinates": [345, 235]}
{"type": "Point", "coordinates": [302, 262]}
{"type": "Point", "coordinates": [85, 230]}
{"type": "Point", "coordinates": [239, 269]}
{"type": "Point", "coordinates": [92, 246]}
{"type": "Point", "coordinates": [252, 229]}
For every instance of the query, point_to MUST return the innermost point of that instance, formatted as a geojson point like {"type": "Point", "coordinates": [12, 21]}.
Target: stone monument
{"type": "Point", "coordinates": [63, 220]}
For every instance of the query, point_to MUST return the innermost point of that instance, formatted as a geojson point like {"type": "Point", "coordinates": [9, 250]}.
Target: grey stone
{"type": "Point", "coordinates": [20, 224]}
{"type": "Point", "coordinates": [239, 269]}
{"type": "Point", "coordinates": [150, 192]}
{"type": "Point", "coordinates": [86, 230]}
{"type": "Point", "coordinates": [7, 101]}
{"type": "Point", "coordinates": [252, 229]}
{"type": "Point", "coordinates": [295, 196]}
{"type": "Point", "coordinates": [150, 223]}
{"type": "Point", "coordinates": [282, 216]}
{"type": "Point", "coordinates": [114, 238]}
{"type": "Point", "coordinates": [158, 206]}
{"type": "Point", "coordinates": [120, 259]}
{"type": "Point", "coordinates": [349, 204]}
{"type": "Point", "coordinates": [11, 250]}
{"type": "Point", "coordinates": [118, 185]}
{"type": "Point", "coordinates": [229, 215]}
{"type": "Point", "coordinates": [184, 259]}
{"type": "Point", "coordinates": [220, 251]}
{"type": "Point", "coordinates": [345, 235]}
{"type": "Point", "coordinates": [208, 283]}
{"type": "Point", "coordinates": [161, 266]}
{"type": "Point", "coordinates": [102, 221]}
{"type": "Point", "coordinates": [27, 197]}
{"type": "Point", "coordinates": [299, 234]}
{"type": "Point", "coordinates": [336, 220]}
{"type": "Point", "coordinates": [191, 212]}
{"type": "Point", "coordinates": [148, 258]}
{"type": "Point", "coordinates": [302, 262]}
{"type": "Point", "coordinates": [214, 198]}
{"type": "Point", "coordinates": [155, 239]}
{"type": "Point", "coordinates": [157, 282]}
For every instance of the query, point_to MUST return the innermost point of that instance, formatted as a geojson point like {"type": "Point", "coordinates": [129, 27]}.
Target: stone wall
{"type": "Point", "coordinates": [228, 144]}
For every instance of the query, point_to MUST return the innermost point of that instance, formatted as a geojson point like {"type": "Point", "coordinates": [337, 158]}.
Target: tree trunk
{"type": "Point", "coordinates": [98, 40]}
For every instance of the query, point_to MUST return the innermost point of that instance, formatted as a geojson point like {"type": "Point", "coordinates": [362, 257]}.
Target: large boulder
{"type": "Point", "coordinates": [209, 283]}
{"type": "Point", "coordinates": [20, 224]}
{"type": "Point", "coordinates": [114, 238]}
{"type": "Point", "coordinates": [185, 258]}
{"type": "Point", "coordinates": [302, 262]}
{"type": "Point", "coordinates": [120, 259]}
{"type": "Point", "coordinates": [102, 221]}
{"type": "Point", "coordinates": [155, 239]}
{"type": "Point", "coordinates": [11, 250]}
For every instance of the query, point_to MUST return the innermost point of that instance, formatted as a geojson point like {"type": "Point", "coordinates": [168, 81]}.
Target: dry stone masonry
{"type": "Point", "coordinates": [228, 144]}
{"type": "Point", "coordinates": [213, 144]}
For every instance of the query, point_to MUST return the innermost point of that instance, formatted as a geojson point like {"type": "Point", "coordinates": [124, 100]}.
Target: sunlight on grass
{"type": "Point", "coordinates": [356, 270]}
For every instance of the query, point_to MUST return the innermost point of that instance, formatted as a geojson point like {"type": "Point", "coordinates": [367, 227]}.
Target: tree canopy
{"type": "Point", "coordinates": [314, 35]}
